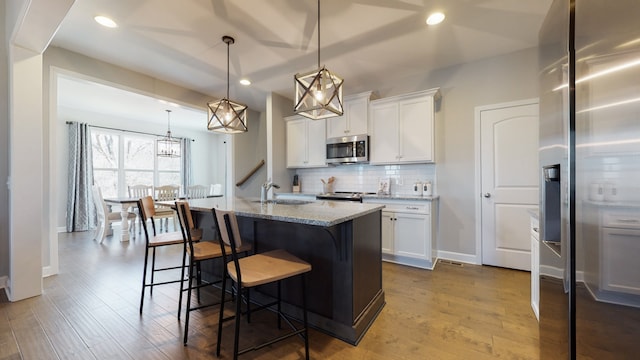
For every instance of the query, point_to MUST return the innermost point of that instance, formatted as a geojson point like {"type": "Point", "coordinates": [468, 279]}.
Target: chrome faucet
{"type": "Point", "coordinates": [265, 189]}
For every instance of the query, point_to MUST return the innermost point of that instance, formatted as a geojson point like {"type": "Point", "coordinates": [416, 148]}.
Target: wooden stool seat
{"type": "Point", "coordinates": [268, 267]}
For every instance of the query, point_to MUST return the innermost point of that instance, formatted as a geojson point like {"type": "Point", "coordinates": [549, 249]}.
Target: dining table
{"type": "Point", "coordinates": [125, 203]}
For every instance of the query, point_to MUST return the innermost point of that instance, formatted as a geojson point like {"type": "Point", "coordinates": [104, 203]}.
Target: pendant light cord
{"type": "Point", "coordinates": [318, 34]}
{"type": "Point", "coordinates": [227, 70]}
{"type": "Point", "coordinates": [168, 122]}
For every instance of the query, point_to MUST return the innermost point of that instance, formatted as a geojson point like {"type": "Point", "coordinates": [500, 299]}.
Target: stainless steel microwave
{"type": "Point", "coordinates": [348, 149]}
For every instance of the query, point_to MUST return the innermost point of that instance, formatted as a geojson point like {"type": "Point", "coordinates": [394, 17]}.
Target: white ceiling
{"type": "Point", "coordinates": [366, 42]}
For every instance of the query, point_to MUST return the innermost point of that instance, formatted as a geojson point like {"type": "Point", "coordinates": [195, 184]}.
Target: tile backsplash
{"type": "Point", "coordinates": [365, 178]}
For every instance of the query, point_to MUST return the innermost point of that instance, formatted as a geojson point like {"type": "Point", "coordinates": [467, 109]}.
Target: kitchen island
{"type": "Point", "coordinates": [341, 241]}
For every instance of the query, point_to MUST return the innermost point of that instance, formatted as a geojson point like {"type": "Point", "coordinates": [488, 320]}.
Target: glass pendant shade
{"type": "Point", "coordinates": [168, 146]}
{"type": "Point", "coordinates": [227, 116]}
{"type": "Point", "coordinates": [224, 115]}
{"type": "Point", "coordinates": [318, 94]}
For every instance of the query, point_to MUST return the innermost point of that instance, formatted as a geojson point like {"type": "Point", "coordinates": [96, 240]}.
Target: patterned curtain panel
{"type": "Point", "coordinates": [81, 212]}
{"type": "Point", "coordinates": [186, 163]}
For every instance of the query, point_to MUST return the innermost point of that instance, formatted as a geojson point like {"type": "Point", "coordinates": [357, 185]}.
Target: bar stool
{"type": "Point", "coordinates": [255, 270]}
{"type": "Point", "coordinates": [146, 209]}
{"type": "Point", "coordinates": [196, 252]}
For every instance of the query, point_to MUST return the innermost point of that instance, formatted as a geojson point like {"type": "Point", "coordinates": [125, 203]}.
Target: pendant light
{"type": "Point", "coordinates": [168, 146]}
{"type": "Point", "coordinates": [319, 92]}
{"type": "Point", "coordinates": [227, 116]}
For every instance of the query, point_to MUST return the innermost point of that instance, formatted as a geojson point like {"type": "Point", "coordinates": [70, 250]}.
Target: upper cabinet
{"type": "Point", "coordinates": [305, 142]}
{"type": "Point", "coordinates": [402, 128]}
{"type": "Point", "coordinates": [355, 119]}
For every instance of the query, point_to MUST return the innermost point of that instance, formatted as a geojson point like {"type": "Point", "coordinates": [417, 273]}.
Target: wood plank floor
{"type": "Point", "coordinates": [90, 311]}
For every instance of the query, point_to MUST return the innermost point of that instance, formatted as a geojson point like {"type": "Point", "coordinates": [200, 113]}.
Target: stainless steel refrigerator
{"type": "Point", "coordinates": [589, 57]}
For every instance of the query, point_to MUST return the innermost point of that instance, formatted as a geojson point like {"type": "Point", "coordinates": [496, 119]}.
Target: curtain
{"type": "Point", "coordinates": [81, 212]}
{"type": "Point", "coordinates": [185, 164]}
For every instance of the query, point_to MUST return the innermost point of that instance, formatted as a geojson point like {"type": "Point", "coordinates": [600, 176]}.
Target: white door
{"type": "Point", "coordinates": [509, 183]}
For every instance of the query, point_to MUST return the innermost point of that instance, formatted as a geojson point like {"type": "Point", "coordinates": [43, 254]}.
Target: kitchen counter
{"type": "Point", "coordinates": [319, 213]}
{"type": "Point", "coordinates": [401, 197]}
{"type": "Point", "coordinates": [342, 242]}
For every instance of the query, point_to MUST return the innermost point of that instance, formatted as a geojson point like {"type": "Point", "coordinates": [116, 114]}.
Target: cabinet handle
{"type": "Point", "coordinates": [413, 208]}
{"type": "Point", "coordinates": [535, 229]}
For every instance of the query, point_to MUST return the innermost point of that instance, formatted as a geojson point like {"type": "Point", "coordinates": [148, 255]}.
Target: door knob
{"type": "Point", "coordinates": [487, 195]}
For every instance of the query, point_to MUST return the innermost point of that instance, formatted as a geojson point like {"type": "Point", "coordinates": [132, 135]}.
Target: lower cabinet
{"type": "Point", "coordinates": [535, 267]}
{"type": "Point", "coordinates": [408, 231]}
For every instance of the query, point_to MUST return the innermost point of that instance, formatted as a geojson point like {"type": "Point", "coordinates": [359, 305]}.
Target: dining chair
{"type": "Point", "coordinates": [138, 192]}
{"type": "Point", "coordinates": [153, 240]}
{"type": "Point", "coordinates": [166, 193]}
{"type": "Point", "coordinates": [106, 217]}
{"type": "Point", "coordinates": [252, 271]}
{"type": "Point", "coordinates": [196, 192]}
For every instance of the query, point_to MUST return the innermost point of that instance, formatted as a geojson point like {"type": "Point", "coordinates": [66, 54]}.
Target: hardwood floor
{"type": "Point", "coordinates": [90, 311]}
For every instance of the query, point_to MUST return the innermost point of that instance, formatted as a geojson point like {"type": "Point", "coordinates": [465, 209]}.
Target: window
{"type": "Point", "coordinates": [121, 159]}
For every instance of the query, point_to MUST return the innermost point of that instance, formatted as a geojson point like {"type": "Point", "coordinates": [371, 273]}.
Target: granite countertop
{"type": "Point", "coordinates": [401, 197]}
{"type": "Point", "coordinates": [319, 213]}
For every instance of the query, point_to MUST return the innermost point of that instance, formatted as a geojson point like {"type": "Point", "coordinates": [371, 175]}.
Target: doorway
{"type": "Point", "coordinates": [507, 178]}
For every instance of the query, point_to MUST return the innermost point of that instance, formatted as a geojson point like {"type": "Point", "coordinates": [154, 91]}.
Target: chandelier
{"type": "Point", "coordinates": [319, 92]}
{"type": "Point", "coordinates": [224, 115]}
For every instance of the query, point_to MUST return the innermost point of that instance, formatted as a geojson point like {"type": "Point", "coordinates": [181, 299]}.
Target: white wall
{"type": "Point", "coordinates": [278, 107]}
{"type": "Point", "coordinates": [248, 149]}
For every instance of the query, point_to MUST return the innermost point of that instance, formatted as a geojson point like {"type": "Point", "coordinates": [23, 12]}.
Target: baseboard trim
{"type": "Point", "coordinates": [62, 229]}
{"type": "Point", "coordinates": [47, 271]}
{"type": "Point", "coordinates": [460, 257]}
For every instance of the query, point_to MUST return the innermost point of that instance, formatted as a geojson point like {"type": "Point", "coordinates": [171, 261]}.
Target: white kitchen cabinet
{"type": "Point", "coordinates": [402, 128]}
{"type": "Point", "coordinates": [620, 251]}
{"type": "Point", "coordinates": [408, 231]}
{"type": "Point", "coordinates": [355, 119]}
{"type": "Point", "coordinates": [535, 266]}
{"type": "Point", "coordinates": [305, 142]}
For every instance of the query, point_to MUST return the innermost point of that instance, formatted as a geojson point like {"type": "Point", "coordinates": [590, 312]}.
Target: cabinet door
{"type": "Point", "coordinates": [411, 235]}
{"type": "Point", "coordinates": [416, 130]}
{"type": "Point", "coordinates": [357, 116]}
{"type": "Point", "coordinates": [353, 122]}
{"type": "Point", "coordinates": [337, 126]}
{"type": "Point", "coordinates": [296, 143]}
{"type": "Point", "coordinates": [387, 232]}
{"type": "Point", "coordinates": [316, 151]}
{"type": "Point", "coordinates": [384, 133]}
{"type": "Point", "coordinates": [620, 253]}
{"type": "Point", "coordinates": [535, 269]}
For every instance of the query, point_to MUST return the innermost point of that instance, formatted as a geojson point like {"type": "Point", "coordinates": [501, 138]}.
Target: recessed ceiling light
{"type": "Point", "coordinates": [105, 21]}
{"type": "Point", "coordinates": [435, 18]}
{"type": "Point", "coordinates": [245, 82]}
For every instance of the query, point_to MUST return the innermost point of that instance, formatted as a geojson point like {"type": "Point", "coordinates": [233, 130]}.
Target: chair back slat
{"type": "Point", "coordinates": [147, 210]}
{"type": "Point", "coordinates": [197, 192]}
{"type": "Point", "coordinates": [167, 192]}
{"type": "Point", "coordinates": [184, 217]}
{"type": "Point", "coordinates": [233, 225]}
{"type": "Point", "coordinates": [101, 206]}
{"type": "Point", "coordinates": [140, 191]}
